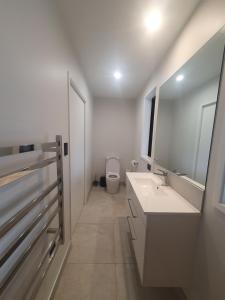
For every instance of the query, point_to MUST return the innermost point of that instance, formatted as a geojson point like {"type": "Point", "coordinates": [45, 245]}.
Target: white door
{"type": "Point", "coordinates": [77, 154]}
{"type": "Point", "coordinates": [205, 135]}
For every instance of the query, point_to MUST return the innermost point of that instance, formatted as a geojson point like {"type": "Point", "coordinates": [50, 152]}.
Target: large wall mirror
{"type": "Point", "coordinates": [186, 111]}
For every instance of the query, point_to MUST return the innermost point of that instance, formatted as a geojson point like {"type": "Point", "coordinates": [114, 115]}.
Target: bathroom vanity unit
{"type": "Point", "coordinates": [163, 228]}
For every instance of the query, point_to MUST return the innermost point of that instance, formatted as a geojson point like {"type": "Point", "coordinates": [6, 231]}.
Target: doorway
{"type": "Point", "coordinates": [77, 152]}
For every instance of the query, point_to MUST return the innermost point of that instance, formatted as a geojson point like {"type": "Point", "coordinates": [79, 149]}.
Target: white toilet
{"type": "Point", "coordinates": [112, 169]}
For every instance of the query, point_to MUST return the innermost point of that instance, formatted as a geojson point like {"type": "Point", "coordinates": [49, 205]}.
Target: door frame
{"type": "Point", "coordinates": [71, 84]}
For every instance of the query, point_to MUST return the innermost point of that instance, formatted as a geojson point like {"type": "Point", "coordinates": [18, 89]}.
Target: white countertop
{"type": "Point", "coordinates": [157, 199]}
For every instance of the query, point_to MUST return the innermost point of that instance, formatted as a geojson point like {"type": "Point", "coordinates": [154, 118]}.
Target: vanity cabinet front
{"type": "Point", "coordinates": [163, 244]}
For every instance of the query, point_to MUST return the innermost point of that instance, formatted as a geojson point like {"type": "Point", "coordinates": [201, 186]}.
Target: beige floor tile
{"type": "Point", "coordinates": [120, 208]}
{"type": "Point", "coordinates": [120, 204]}
{"type": "Point", "coordinates": [98, 195]}
{"type": "Point", "coordinates": [103, 207]}
{"type": "Point", "coordinates": [98, 192]}
{"type": "Point", "coordinates": [101, 239]}
{"type": "Point", "coordinates": [98, 211]}
{"type": "Point", "coordinates": [129, 288]}
{"type": "Point", "coordinates": [93, 243]}
{"type": "Point", "coordinates": [123, 250]}
{"type": "Point", "coordinates": [87, 282]}
{"type": "Point", "coordinates": [127, 284]}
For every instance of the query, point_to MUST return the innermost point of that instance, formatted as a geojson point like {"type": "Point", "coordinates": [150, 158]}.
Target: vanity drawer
{"type": "Point", "coordinates": [137, 219]}
{"type": "Point", "coordinates": [138, 232]}
{"type": "Point", "coordinates": [135, 205]}
{"type": "Point", "coordinates": [139, 257]}
{"type": "Point", "coordinates": [133, 211]}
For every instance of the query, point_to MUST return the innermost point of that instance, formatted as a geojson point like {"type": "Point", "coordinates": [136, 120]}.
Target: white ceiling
{"type": "Point", "coordinates": [109, 34]}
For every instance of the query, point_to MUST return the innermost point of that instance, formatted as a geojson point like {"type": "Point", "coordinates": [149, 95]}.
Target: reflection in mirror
{"type": "Point", "coordinates": [187, 104]}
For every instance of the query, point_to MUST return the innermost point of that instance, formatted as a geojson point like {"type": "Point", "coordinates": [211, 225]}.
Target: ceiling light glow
{"type": "Point", "coordinates": [180, 77]}
{"type": "Point", "coordinates": [117, 75]}
{"type": "Point", "coordinates": [153, 20]}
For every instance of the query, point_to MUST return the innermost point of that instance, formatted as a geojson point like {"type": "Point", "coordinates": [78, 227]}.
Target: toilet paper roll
{"type": "Point", "coordinates": [134, 165]}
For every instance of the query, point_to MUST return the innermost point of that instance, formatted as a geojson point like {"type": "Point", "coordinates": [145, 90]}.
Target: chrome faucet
{"type": "Point", "coordinates": [162, 173]}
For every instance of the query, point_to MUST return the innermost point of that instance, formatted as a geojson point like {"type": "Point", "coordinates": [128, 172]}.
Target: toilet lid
{"type": "Point", "coordinates": [113, 165]}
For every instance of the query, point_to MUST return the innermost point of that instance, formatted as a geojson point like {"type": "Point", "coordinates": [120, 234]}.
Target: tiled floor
{"type": "Point", "coordinates": [101, 265]}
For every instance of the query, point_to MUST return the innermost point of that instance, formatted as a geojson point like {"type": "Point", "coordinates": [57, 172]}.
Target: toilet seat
{"type": "Point", "coordinates": [112, 176]}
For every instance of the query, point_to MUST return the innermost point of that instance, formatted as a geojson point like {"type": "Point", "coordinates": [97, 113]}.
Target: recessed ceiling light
{"type": "Point", "coordinates": [153, 20]}
{"type": "Point", "coordinates": [180, 77]}
{"type": "Point", "coordinates": [117, 75]}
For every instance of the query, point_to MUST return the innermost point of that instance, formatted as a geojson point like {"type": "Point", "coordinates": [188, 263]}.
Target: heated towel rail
{"type": "Point", "coordinates": [46, 210]}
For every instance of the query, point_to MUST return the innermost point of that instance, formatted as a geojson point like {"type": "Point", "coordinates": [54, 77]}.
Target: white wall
{"type": "Point", "coordinates": [113, 132]}
{"type": "Point", "coordinates": [208, 283]}
{"type": "Point", "coordinates": [35, 55]}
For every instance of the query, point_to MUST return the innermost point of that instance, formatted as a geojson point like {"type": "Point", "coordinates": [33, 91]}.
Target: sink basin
{"type": "Point", "coordinates": [144, 181]}
{"type": "Point", "coordinates": [148, 187]}
{"type": "Point", "coordinates": [156, 198]}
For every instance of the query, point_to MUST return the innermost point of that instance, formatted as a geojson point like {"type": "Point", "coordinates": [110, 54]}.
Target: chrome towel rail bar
{"type": "Point", "coordinates": [9, 224]}
{"type": "Point", "coordinates": [15, 244]}
{"type": "Point", "coordinates": [52, 248]}
{"type": "Point", "coordinates": [35, 166]}
{"type": "Point", "coordinates": [51, 257]}
{"type": "Point", "coordinates": [55, 203]}
{"type": "Point", "coordinates": [28, 250]}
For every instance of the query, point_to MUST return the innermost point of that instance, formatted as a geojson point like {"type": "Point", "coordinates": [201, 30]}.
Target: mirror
{"type": "Point", "coordinates": [186, 110]}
